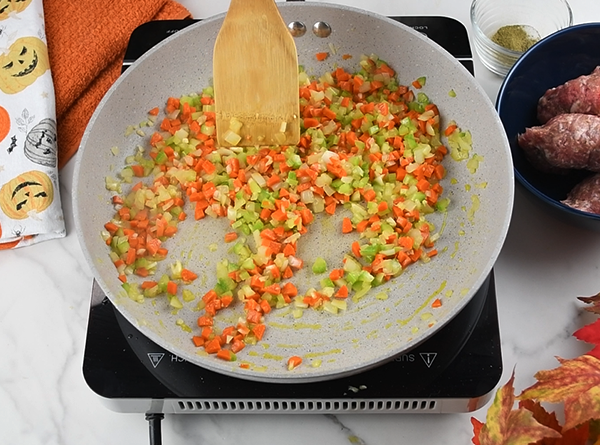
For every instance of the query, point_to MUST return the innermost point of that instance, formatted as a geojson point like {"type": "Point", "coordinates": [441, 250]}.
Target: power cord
{"type": "Point", "coordinates": [154, 420]}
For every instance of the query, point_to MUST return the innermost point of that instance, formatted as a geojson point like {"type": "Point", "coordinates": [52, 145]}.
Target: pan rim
{"type": "Point", "coordinates": [298, 376]}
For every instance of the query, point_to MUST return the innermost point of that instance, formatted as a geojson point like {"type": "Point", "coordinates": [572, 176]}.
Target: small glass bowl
{"type": "Point", "coordinates": [539, 18]}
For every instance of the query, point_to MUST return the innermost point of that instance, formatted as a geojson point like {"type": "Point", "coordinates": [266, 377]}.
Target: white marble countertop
{"type": "Point", "coordinates": [45, 294]}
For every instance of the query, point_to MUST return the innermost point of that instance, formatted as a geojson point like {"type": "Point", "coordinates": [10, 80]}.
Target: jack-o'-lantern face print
{"type": "Point", "coordinates": [8, 6]}
{"type": "Point", "coordinates": [26, 60]}
{"type": "Point", "coordinates": [40, 143]}
{"type": "Point", "coordinates": [29, 192]}
{"type": "Point", "coordinates": [5, 8]}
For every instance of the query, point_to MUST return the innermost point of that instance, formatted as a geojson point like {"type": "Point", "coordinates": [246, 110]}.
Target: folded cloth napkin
{"type": "Point", "coordinates": [86, 43]}
{"type": "Point", "coordinates": [30, 208]}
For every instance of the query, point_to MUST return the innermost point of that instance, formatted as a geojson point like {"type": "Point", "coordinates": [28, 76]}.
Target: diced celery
{"type": "Point", "coordinates": [340, 304]}
{"type": "Point", "coordinates": [151, 291]}
{"type": "Point", "coordinates": [162, 283]}
{"type": "Point", "coordinates": [297, 313]}
{"type": "Point", "coordinates": [175, 302]}
{"type": "Point", "coordinates": [187, 295]}
{"type": "Point", "coordinates": [351, 265]}
{"type": "Point", "coordinates": [329, 307]}
{"type": "Point", "coordinates": [319, 266]}
{"type": "Point", "coordinates": [326, 282]}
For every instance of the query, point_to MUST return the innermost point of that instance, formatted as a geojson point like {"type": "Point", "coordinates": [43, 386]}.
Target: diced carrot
{"type": "Point", "coordinates": [382, 207]}
{"type": "Point", "coordinates": [310, 122]}
{"type": "Point", "coordinates": [111, 227]}
{"type": "Point", "coordinates": [131, 256]}
{"type": "Point", "coordinates": [356, 249]}
{"type": "Point", "coordinates": [289, 249]}
{"type": "Point", "coordinates": [406, 242]}
{"type": "Point", "coordinates": [188, 276]}
{"type": "Point", "coordinates": [346, 225]}
{"type": "Point", "coordinates": [226, 354]}
{"type": "Point", "coordinates": [226, 300]}
{"type": "Point", "coordinates": [148, 284]}
{"type": "Point", "coordinates": [342, 292]}
{"type": "Point", "coordinates": [213, 346]}
{"type": "Point", "coordinates": [273, 289]}
{"type": "Point", "coordinates": [265, 306]}
{"type": "Point", "coordinates": [253, 316]}
{"type": "Point", "coordinates": [172, 287]}
{"type": "Point", "coordinates": [289, 289]}
{"type": "Point", "coordinates": [273, 181]}
{"type": "Point", "coordinates": [279, 215]}
{"type": "Point", "coordinates": [198, 341]}
{"type": "Point", "coordinates": [206, 332]}
{"type": "Point", "coordinates": [450, 129]}
{"type": "Point", "coordinates": [259, 331]}
{"type": "Point", "coordinates": [362, 226]}
{"type": "Point", "coordinates": [230, 236]}
{"type": "Point", "coordinates": [141, 272]}
{"type": "Point", "coordinates": [203, 320]}
{"type": "Point", "coordinates": [288, 273]}
{"type": "Point", "coordinates": [294, 362]}
{"type": "Point", "coordinates": [237, 345]}
{"type": "Point", "coordinates": [322, 56]}
{"type": "Point", "coordinates": [369, 195]}
{"type": "Point", "coordinates": [329, 113]}
{"type": "Point", "coordinates": [336, 274]}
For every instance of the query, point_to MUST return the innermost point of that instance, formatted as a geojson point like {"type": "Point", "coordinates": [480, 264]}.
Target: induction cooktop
{"type": "Point", "coordinates": [456, 370]}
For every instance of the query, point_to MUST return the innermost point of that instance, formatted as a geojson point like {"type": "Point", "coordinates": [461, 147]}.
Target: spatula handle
{"type": "Point", "coordinates": [239, 6]}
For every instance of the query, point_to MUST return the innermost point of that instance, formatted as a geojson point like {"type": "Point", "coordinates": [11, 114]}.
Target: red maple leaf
{"type": "Point", "coordinates": [477, 425]}
{"type": "Point", "coordinates": [590, 334]}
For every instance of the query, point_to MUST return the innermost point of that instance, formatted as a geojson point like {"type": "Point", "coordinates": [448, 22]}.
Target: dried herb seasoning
{"type": "Point", "coordinates": [514, 37]}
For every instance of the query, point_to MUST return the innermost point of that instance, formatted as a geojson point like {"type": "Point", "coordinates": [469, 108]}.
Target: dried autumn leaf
{"type": "Point", "coordinates": [574, 436]}
{"type": "Point", "coordinates": [576, 383]}
{"type": "Point", "coordinates": [477, 425]}
{"type": "Point", "coordinates": [590, 334]}
{"type": "Point", "coordinates": [507, 426]}
{"type": "Point", "coordinates": [594, 301]}
{"type": "Point", "coordinates": [541, 415]}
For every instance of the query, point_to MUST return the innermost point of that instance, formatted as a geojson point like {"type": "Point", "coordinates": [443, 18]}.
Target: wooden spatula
{"type": "Point", "coordinates": [255, 75]}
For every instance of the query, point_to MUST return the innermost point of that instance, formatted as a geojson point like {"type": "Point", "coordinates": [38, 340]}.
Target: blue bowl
{"type": "Point", "coordinates": [564, 55]}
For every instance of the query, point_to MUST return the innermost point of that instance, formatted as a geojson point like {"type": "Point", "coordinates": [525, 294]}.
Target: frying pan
{"type": "Point", "coordinates": [372, 331]}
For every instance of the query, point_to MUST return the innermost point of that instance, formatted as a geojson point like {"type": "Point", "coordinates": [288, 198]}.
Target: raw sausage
{"type": "Point", "coordinates": [567, 141]}
{"type": "Point", "coordinates": [580, 95]}
{"type": "Point", "coordinates": [585, 196]}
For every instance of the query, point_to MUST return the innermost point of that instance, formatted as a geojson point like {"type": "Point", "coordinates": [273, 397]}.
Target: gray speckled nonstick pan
{"type": "Point", "coordinates": [372, 331]}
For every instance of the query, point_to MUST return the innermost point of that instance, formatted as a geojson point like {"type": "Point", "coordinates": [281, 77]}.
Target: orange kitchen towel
{"type": "Point", "coordinates": [86, 44]}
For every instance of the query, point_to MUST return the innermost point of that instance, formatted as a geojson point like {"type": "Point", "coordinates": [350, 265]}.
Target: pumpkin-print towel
{"type": "Point", "coordinates": [30, 207]}
{"type": "Point", "coordinates": [57, 59]}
